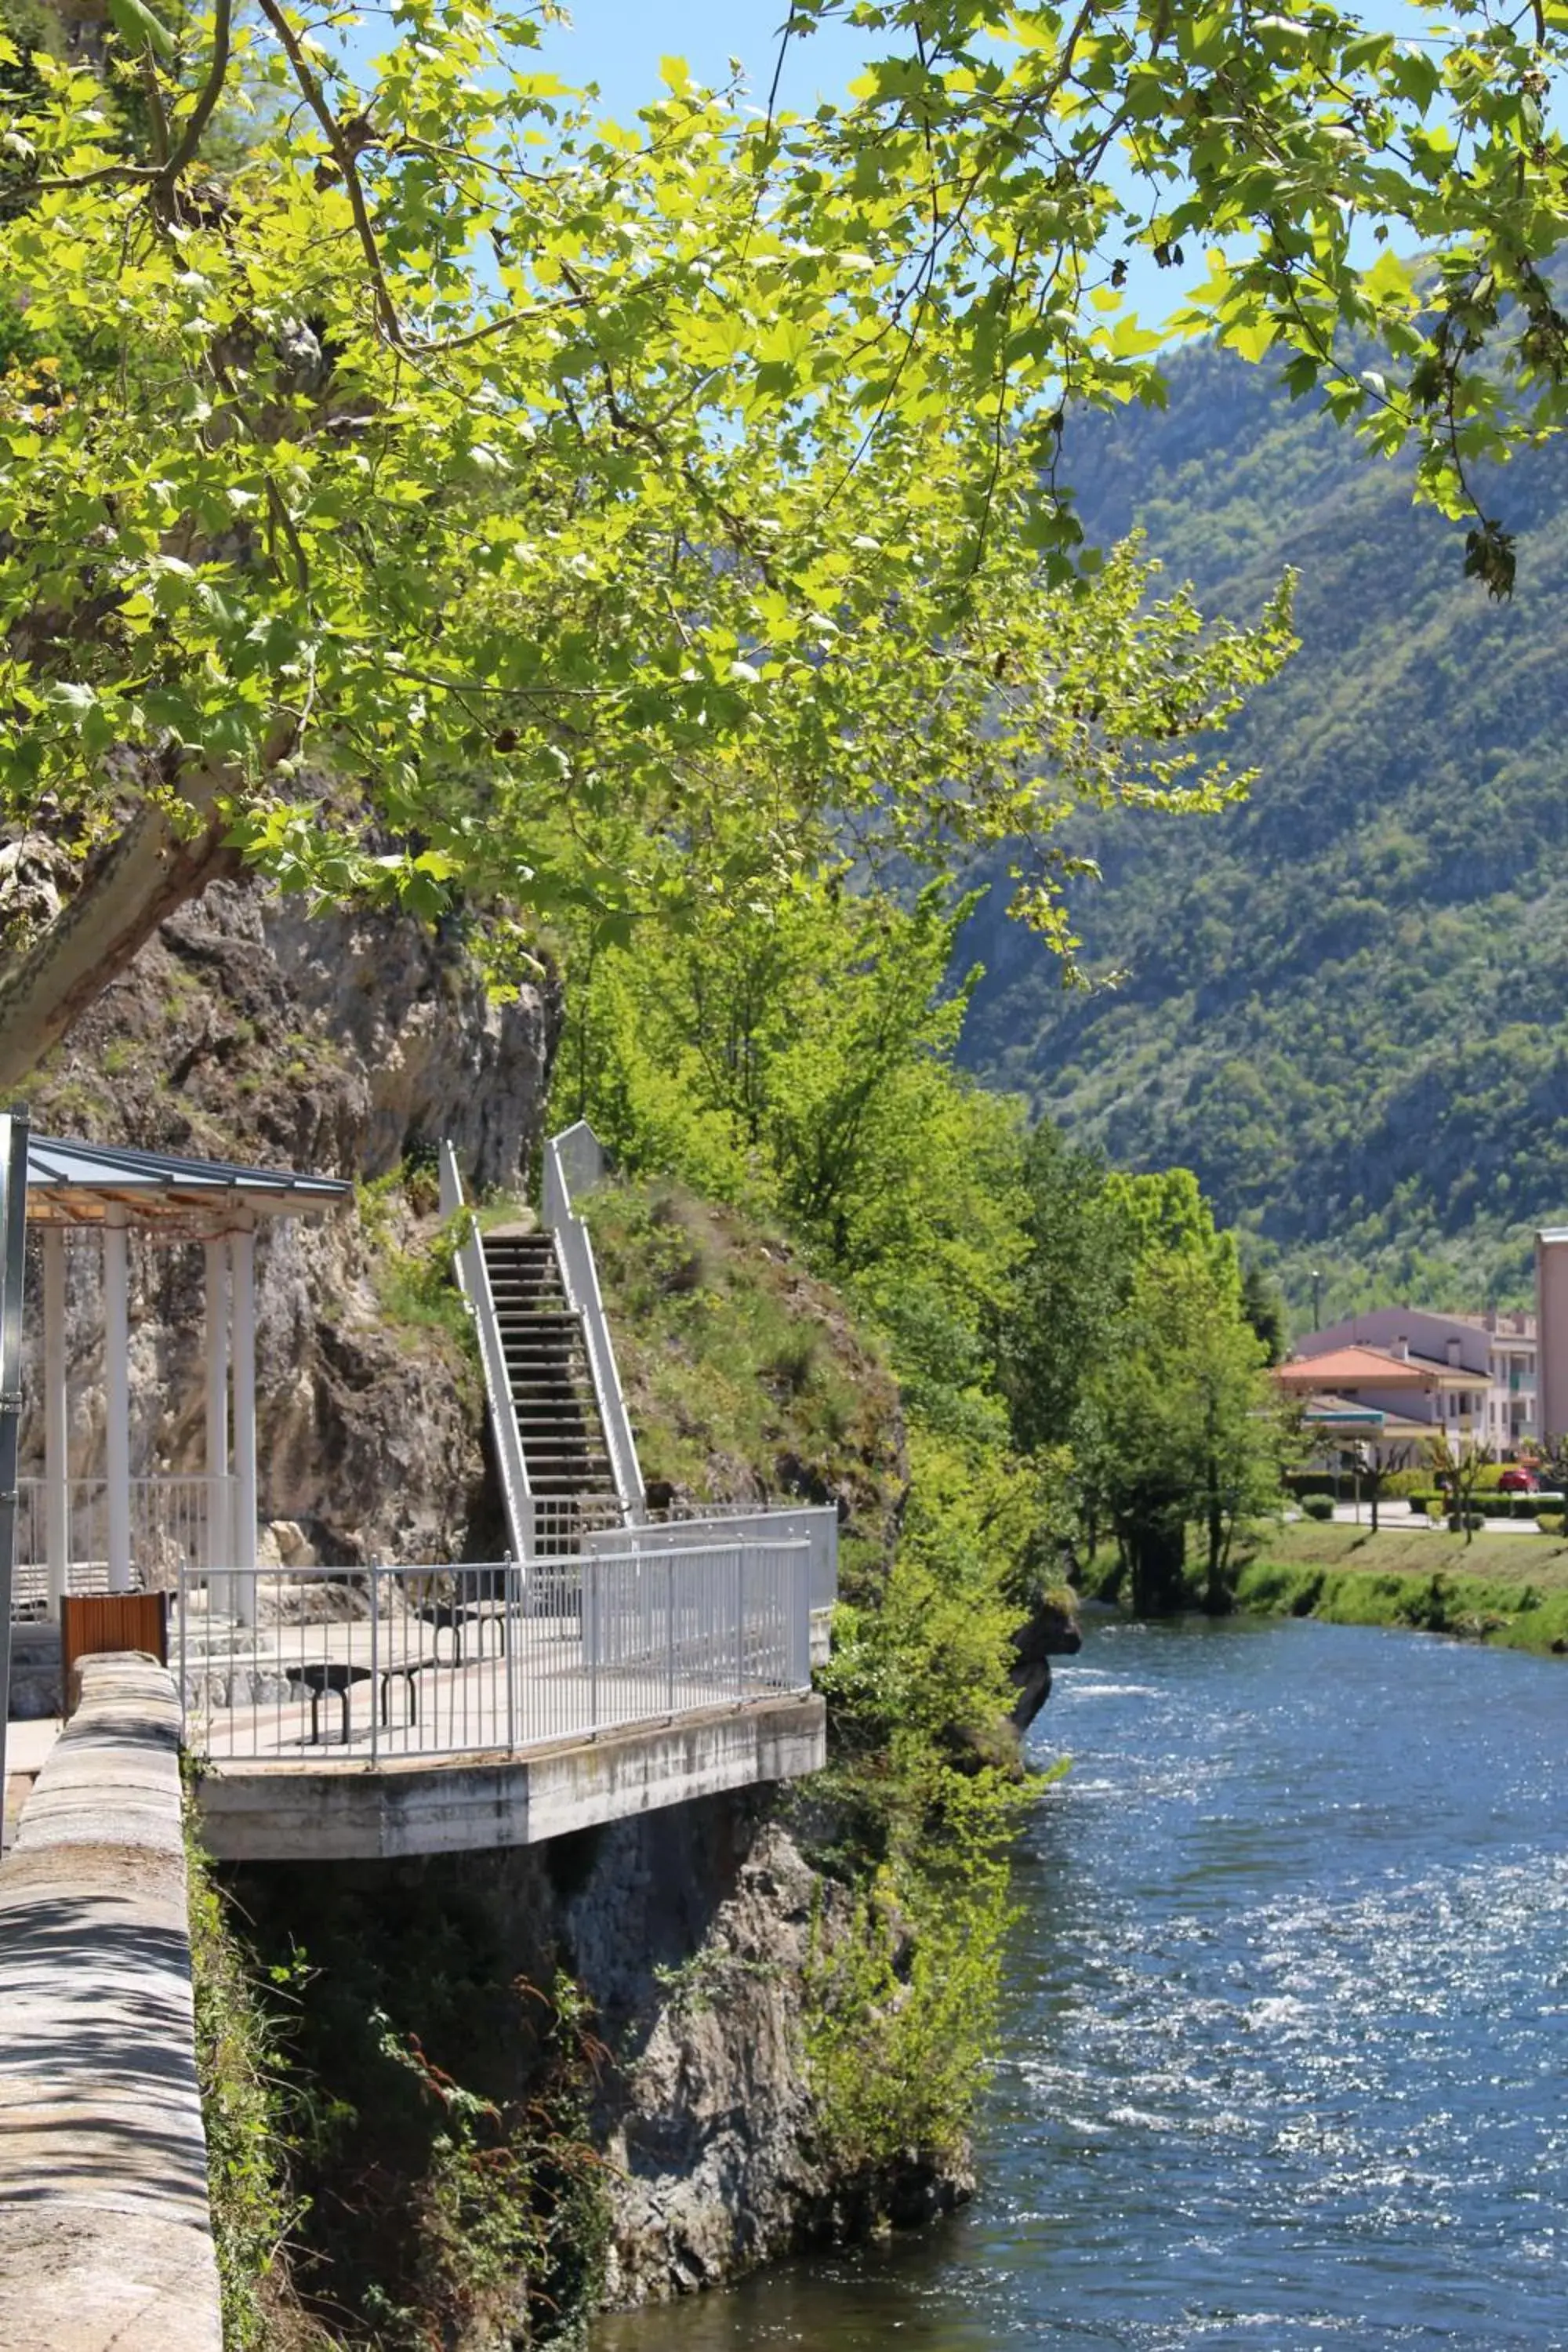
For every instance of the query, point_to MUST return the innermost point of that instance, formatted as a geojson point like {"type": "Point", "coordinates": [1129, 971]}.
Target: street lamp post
{"type": "Point", "coordinates": [1316, 1280]}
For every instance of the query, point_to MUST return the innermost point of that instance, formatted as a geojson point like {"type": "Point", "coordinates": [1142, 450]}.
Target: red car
{"type": "Point", "coordinates": [1519, 1481]}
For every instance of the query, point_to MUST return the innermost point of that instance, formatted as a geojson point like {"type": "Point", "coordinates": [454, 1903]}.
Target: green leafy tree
{"type": "Point", "coordinates": [1264, 1308]}
{"type": "Point", "coordinates": [1069, 1290]}
{"type": "Point", "coordinates": [1179, 1426]}
{"type": "Point", "coordinates": [454, 497]}
{"type": "Point", "coordinates": [798, 1053]}
{"type": "Point", "coordinates": [442, 491]}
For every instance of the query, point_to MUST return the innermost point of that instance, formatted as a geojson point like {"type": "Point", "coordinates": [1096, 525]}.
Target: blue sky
{"type": "Point", "coordinates": [619, 44]}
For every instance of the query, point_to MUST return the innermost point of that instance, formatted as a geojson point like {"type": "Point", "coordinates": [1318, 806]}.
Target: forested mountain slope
{"type": "Point", "coordinates": [1346, 1002]}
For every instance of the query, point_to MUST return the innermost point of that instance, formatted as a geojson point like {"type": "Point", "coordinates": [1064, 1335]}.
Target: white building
{"type": "Point", "coordinates": [1497, 1407]}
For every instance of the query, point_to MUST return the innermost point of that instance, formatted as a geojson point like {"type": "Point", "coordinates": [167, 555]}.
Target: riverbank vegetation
{"type": "Point", "coordinates": [241, 2066]}
{"type": "Point", "coordinates": [808, 1267]}
{"type": "Point", "coordinates": [1511, 1590]}
{"type": "Point", "coordinates": [837, 1266]}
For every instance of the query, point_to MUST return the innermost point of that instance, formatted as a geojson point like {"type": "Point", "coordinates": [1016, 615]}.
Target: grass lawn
{"type": "Point", "coordinates": [1510, 1589]}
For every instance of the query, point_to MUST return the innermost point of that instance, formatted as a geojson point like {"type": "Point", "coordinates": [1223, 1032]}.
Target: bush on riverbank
{"type": "Point", "coordinates": [751, 1377]}
{"type": "Point", "coordinates": [245, 2113]}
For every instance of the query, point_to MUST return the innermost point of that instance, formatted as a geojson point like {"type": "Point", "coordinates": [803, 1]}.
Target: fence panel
{"type": "Point", "coordinates": [172, 1524]}
{"type": "Point", "coordinates": [384, 1664]}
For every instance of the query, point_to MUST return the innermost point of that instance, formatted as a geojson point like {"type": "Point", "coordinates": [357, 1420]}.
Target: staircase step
{"type": "Point", "coordinates": [552, 1402]}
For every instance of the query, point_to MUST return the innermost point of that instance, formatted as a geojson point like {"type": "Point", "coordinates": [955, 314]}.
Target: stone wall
{"type": "Point", "coordinates": [688, 1933]}
{"type": "Point", "coordinates": [105, 2236]}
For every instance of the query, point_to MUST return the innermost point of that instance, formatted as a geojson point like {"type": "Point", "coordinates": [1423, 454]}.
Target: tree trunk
{"type": "Point", "coordinates": [1159, 1564]}
{"type": "Point", "coordinates": [127, 888]}
{"type": "Point", "coordinates": [1216, 1519]}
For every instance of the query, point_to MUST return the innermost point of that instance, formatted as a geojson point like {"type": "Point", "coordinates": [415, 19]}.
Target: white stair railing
{"type": "Point", "coordinates": [474, 1282]}
{"type": "Point", "coordinates": [574, 1160]}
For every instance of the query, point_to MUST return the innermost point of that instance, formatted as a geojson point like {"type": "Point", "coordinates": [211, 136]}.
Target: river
{"type": "Point", "coordinates": [1286, 2022]}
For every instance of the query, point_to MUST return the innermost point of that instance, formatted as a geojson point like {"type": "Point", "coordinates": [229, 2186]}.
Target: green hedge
{"type": "Point", "coordinates": [1494, 1507]}
{"type": "Point", "coordinates": [1302, 1484]}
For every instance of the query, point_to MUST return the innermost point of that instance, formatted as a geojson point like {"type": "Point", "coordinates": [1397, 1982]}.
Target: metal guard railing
{"type": "Point", "coordinates": [474, 1282]}
{"type": "Point", "coordinates": [575, 1155]}
{"type": "Point", "coordinates": [178, 1522]}
{"type": "Point", "coordinates": [814, 1524]}
{"type": "Point", "coordinates": [385, 1664]}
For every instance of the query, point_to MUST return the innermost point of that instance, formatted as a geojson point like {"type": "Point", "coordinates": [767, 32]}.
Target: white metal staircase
{"type": "Point", "coordinates": [563, 1441]}
{"type": "Point", "coordinates": [551, 1386]}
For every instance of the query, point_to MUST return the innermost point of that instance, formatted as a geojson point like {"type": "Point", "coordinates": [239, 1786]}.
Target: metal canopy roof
{"type": "Point", "coordinates": [78, 1184]}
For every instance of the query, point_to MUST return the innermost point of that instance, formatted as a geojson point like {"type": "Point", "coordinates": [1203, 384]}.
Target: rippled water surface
{"type": "Point", "coordinates": [1286, 2058]}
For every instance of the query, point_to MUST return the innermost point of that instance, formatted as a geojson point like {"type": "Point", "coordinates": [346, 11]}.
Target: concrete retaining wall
{"type": "Point", "coordinates": [105, 2236]}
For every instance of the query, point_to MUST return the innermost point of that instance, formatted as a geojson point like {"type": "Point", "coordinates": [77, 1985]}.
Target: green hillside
{"type": "Point", "coordinates": [1346, 1002]}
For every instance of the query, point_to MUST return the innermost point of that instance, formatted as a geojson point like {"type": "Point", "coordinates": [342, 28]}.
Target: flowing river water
{"type": "Point", "coordinates": [1286, 2058]}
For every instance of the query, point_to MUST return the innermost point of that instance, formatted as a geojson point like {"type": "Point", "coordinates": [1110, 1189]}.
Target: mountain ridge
{"type": "Point", "coordinates": [1346, 1001]}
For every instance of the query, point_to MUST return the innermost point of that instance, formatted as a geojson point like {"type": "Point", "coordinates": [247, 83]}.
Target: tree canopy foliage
{"type": "Point", "coordinates": [1033, 149]}
{"type": "Point", "coordinates": [442, 491]}
{"type": "Point", "coordinates": [415, 483]}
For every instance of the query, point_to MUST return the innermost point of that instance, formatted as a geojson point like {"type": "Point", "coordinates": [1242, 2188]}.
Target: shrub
{"type": "Point", "coordinates": [1414, 1484]}
{"type": "Point", "coordinates": [1550, 1522]}
{"type": "Point", "coordinates": [240, 2061]}
{"type": "Point", "coordinates": [1318, 1507]}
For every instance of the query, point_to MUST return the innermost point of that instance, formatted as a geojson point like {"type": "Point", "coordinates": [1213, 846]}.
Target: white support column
{"type": "Point", "coordinates": [57, 1422]}
{"type": "Point", "coordinates": [117, 1396]}
{"type": "Point", "coordinates": [243, 1246]}
{"type": "Point", "coordinates": [220, 1538]}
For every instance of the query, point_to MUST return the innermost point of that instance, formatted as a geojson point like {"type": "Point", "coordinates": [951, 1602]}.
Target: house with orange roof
{"type": "Point", "coordinates": [1383, 1397]}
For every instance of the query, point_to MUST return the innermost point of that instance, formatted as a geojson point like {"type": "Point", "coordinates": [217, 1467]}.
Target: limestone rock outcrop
{"type": "Point", "coordinates": [349, 1044]}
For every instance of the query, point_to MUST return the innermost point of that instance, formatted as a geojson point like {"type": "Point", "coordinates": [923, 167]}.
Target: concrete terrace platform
{"type": "Point", "coordinates": [327, 1811]}
{"type": "Point", "coordinates": [105, 2236]}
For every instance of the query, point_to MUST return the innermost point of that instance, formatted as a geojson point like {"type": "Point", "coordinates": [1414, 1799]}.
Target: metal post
{"type": "Point", "coordinates": [13, 1266]}
{"type": "Point", "coordinates": [669, 1565]}
{"type": "Point", "coordinates": [57, 1423]}
{"type": "Point", "coordinates": [219, 1542]}
{"type": "Point", "coordinates": [374, 1664]}
{"type": "Point", "coordinates": [242, 1532]}
{"type": "Point", "coordinates": [741, 1621]}
{"type": "Point", "coordinates": [513, 1628]}
{"type": "Point", "coordinates": [117, 1395]}
{"type": "Point", "coordinates": [591, 1628]}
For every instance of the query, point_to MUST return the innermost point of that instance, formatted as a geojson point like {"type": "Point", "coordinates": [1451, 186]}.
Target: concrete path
{"type": "Point", "coordinates": [105, 2236]}
{"type": "Point", "coordinates": [1396, 1518]}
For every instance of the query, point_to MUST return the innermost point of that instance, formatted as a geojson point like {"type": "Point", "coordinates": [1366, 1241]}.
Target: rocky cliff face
{"type": "Point", "coordinates": [346, 1044]}
{"type": "Point", "coordinates": [688, 1933]}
